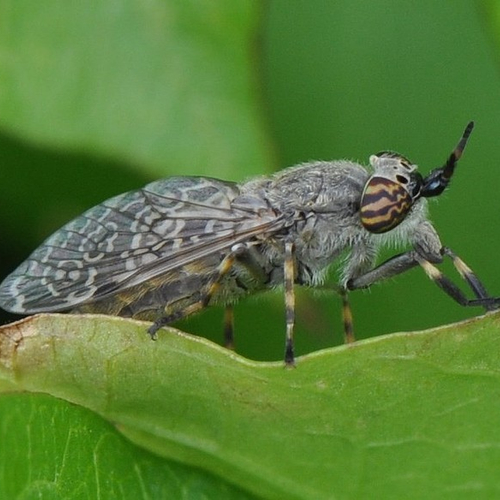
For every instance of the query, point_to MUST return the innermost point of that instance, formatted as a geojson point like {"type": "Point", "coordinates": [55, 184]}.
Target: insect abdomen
{"type": "Point", "coordinates": [173, 293]}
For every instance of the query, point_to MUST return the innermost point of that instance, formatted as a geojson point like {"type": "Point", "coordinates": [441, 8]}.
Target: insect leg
{"type": "Point", "coordinates": [224, 267]}
{"type": "Point", "coordinates": [483, 300]}
{"type": "Point", "coordinates": [468, 275]}
{"type": "Point", "coordinates": [347, 318]}
{"type": "Point", "coordinates": [391, 267]}
{"type": "Point", "coordinates": [404, 262]}
{"type": "Point", "coordinates": [289, 272]}
{"type": "Point", "coordinates": [229, 327]}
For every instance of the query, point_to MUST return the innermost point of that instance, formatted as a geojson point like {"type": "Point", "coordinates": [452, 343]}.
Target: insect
{"type": "Point", "coordinates": [180, 244]}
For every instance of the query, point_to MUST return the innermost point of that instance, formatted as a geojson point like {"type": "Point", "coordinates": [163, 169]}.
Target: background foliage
{"type": "Point", "coordinates": [102, 98]}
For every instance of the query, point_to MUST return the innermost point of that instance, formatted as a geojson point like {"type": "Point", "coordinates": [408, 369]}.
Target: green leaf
{"type": "Point", "coordinates": [158, 84]}
{"type": "Point", "coordinates": [54, 449]}
{"type": "Point", "coordinates": [407, 415]}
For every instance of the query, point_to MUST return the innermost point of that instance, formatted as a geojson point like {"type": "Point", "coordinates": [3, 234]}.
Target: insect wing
{"type": "Point", "coordinates": [132, 238]}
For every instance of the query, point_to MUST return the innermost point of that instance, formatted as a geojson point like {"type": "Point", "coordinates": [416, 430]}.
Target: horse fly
{"type": "Point", "coordinates": [183, 243]}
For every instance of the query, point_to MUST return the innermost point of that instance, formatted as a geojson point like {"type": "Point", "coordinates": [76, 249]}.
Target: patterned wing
{"type": "Point", "coordinates": [132, 238]}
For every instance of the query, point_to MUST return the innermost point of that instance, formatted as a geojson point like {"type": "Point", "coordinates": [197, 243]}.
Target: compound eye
{"type": "Point", "coordinates": [384, 204]}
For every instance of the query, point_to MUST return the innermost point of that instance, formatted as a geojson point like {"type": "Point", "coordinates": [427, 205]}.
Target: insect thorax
{"type": "Point", "coordinates": [324, 201]}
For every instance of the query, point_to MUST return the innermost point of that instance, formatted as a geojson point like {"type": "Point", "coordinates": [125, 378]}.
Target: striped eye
{"type": "Point", "coordinates": [384, 204]}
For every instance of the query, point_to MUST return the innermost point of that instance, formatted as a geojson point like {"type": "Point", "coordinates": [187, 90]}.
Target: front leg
{"type": "Point", "coordinates": [403, 262]}
{"type": "Point", "coordinates": [388, 269]}
{"type": "Point", "coordinates": [392, 267]}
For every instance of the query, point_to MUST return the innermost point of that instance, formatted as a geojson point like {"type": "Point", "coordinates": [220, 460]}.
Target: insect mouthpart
{"type": "Point", "coordinates": [437, 181]}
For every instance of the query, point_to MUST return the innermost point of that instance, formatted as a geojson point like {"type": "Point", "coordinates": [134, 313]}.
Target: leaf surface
{"type": "Point", "coordinates": [396, 414]}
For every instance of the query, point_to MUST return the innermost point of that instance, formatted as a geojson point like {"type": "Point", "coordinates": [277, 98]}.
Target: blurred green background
{"type": "Point", "coordinates": [101, 98]}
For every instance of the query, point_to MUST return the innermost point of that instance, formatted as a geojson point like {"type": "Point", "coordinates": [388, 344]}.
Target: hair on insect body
{"type": "Point", "coordinates": [180, 244]}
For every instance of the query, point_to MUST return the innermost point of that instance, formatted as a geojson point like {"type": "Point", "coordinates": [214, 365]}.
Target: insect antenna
{"type": "Point", "coordinates": [437, 181]}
